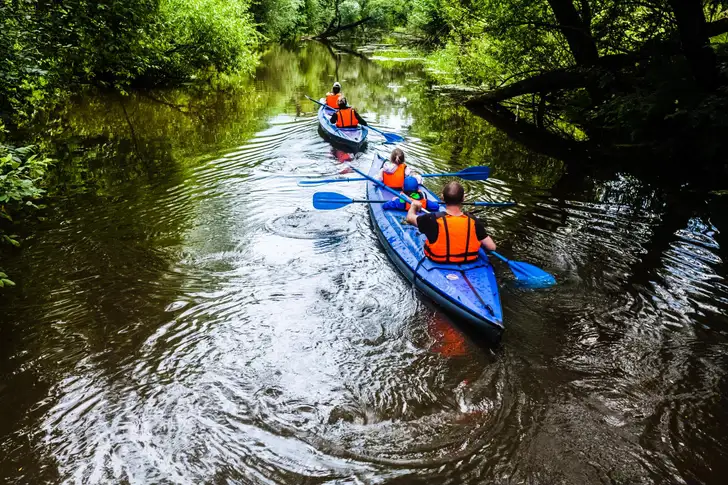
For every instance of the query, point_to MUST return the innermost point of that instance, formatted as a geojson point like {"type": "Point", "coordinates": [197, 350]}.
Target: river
{"type": "Point", "coordinates": [184, 315]}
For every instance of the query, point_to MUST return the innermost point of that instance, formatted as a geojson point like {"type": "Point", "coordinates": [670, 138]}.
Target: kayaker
{"type": "Point", "coordinates": [452, 235]}
{"type": "Point", "coordinates": [411, 188]}
{"type": "Point", "coordinates": [395, 170]}
{"type": "Point", "coordinates": [332, 98]}
{"type": "Point", "coordinates": [346, 116]}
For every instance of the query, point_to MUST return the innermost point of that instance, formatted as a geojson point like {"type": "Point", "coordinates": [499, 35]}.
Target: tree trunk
{"type": "Point", "coordinates": [330, 33]}
{"type": "Point", "coordinates": [577, 32]}
{"type": "Point", "coordinates": [541, 110]}
{"type": "Point", "coordinates": [547, 82]}
{"type": "Point", "coordinates": [694, 40]}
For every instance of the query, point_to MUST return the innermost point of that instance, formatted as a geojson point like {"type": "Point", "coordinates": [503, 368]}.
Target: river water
{"type": "Point", "coordinates": [184, 315]}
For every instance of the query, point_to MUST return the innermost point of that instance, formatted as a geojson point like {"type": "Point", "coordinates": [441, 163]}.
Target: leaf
{"type": "Point", "coordinates": [12, 241]}
{"type": "Point", "coordinates": [7, 282]}
{"type": "Point", "coordinates": [3, 275]}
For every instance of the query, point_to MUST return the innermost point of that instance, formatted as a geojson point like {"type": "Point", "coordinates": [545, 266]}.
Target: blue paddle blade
{"type": "Point", "coordinates": [392, 137]}
{"type": "Point", "coordinates": [475, 173]}
{"type": "Point", "coordinates": [530, 275]}
{"type": "Point", "coordinates": [330, 200]}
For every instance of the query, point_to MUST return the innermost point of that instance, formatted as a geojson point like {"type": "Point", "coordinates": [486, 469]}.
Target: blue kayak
{"type": "Point", "coordinates": [467, 291]}
{"type": "Point", "coordinates": [352, 138]}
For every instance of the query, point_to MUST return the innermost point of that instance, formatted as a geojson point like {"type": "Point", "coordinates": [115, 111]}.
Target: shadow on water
{"type": "Point", "coordinates": [183, 315]}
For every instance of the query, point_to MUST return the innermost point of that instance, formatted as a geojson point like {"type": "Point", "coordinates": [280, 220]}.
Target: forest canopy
{"type": "Point", "coordinates": [606, 71]}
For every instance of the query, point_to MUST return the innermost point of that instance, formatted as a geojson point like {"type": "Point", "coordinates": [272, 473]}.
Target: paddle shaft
{"type": "Point", "coordinates": [385, 187]}
{"type": "Point", "coordinates": [446, 174]}
{"type": "Point", "coordinates": [319, 102]}
{"type": "Point", "coordinates": [477, 204]}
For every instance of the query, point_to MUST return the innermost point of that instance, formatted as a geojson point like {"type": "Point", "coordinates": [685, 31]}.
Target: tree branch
{"type": "Point", "coordinates": [331, 33]}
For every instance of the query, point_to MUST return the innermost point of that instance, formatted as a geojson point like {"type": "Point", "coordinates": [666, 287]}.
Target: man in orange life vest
{"type": "Point", "coordinates": [452, 236]}
{"type": "Point", "coordinates": [346, 117]}
{"type": "Point", "coordinates": [332, 98]}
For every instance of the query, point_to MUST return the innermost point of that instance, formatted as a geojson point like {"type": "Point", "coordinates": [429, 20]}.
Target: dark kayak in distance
{"type": "Point", "coordinates": [350, 138]}
{"type": "Point", "coordinates": [466, 291]}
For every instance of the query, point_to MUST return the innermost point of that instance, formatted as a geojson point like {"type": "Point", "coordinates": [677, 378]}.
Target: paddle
{"type": "Point", "coordinates": [528, 274]}
{"type": "Point", "coordinates": [478, 172]}
{"type": "Point", "coordinates": [333, 200]}
{"type": "Point", "coordinates": [390, 137]}
{"type": "Point", "coordinates": [470, 173]}
{"type": "Point", "coordinates": [525, 273]}
{"type": "Point", "coordinates": [381, 184]}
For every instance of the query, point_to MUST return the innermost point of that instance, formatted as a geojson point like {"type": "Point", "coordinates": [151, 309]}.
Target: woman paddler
{"type": "Point", "coordinates": [394, 171]}
{"type": "Point", "coordinates": [410, 188]}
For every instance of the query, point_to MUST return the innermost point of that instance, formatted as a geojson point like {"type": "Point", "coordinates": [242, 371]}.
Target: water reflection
{"type": "Point", "coordinates": [185, 316]}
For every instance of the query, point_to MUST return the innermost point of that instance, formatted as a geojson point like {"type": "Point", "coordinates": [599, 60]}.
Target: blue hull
{"type": "Point", "coordinates": [352, 138]}
{"type": "Point", "coordinates": [468, 292]}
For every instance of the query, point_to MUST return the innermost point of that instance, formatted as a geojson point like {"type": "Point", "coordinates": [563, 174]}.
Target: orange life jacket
{"type": "Point", "coordinates": [332, 100]}
{"type": "Point", "coordinates": [421, 198]}
{"type": "Point", "coordinates": [347, 119]}
{"type": "Point", "coordinates": [396, 179]}
{"type": "Point", "coordinates": [456, 240]}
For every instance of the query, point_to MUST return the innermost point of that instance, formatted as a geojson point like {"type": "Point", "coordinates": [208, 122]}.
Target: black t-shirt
{"type": "Point", "coordinates": [427, 224]}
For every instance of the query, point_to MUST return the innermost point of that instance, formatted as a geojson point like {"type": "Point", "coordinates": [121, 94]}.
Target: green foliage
{"type": "Point", "coordinates": [4, 281]}
{"type": "Point", "coordinates": [21, 171]}
{"type": "Point", "coordinates": [48, 49]}
{"type": "Point", "coordinates": [428, 18]}
{"type": "Point", "coordinates": [204, 34]}
{"type": "Point", "coordinates": [281, 19]}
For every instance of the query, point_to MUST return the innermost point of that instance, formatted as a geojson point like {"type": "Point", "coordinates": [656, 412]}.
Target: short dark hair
{"type": "Point", "coordinates": [453, 193]}
{"type": "Point", "coordinates": [342, 102]}
{"type": "Point", "coordinates": [337, 89]}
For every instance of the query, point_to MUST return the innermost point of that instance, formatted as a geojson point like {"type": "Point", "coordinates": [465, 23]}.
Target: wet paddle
{"type": "Point", "coordinates": [526, 274]}
{"type": "Point", "coordinates": [470, 173]}
{"type": "Point", "coordinates": [333, 200]}
{"type": "Point", "coordinates": [390, 137]}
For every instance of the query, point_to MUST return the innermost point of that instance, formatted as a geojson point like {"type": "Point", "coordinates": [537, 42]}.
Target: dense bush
{"type": "Point", "coordinates": [21, 173]}
{"type": "Point", "coordinates": [47, 48]}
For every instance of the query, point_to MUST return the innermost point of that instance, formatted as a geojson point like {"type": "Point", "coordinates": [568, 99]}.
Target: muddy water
{"type": "Point", "coordinates": [184, 315]}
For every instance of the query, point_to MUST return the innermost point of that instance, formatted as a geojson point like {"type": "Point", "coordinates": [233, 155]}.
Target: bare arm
{"type": "Point", "coordinates": [487, 243]}
{"type": "Point", "coordinates": [361, 120]}
{"type": "Point", "coordinates": [415, 207]}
